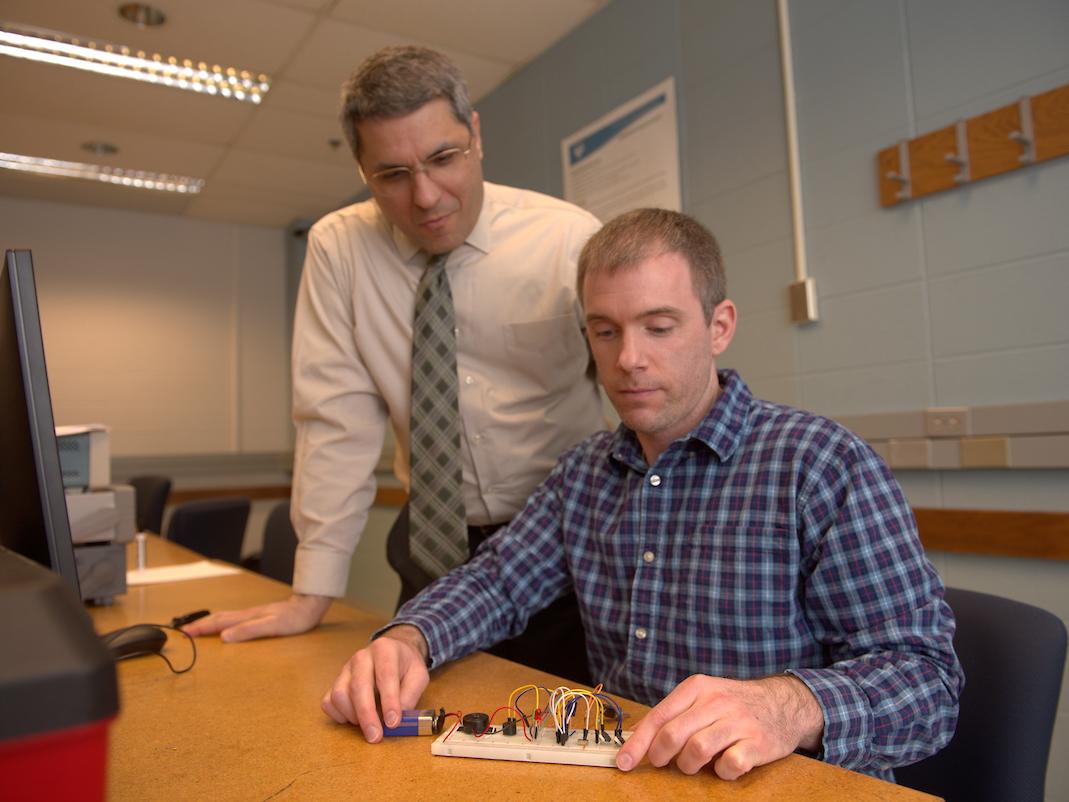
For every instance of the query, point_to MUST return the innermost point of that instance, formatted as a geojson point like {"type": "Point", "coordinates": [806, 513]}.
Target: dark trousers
{"type": "Point", "coordinates": [554, 640]}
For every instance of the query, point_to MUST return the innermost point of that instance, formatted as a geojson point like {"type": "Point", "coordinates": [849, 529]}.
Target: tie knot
{"type": "Point", "coordinates": [437, 259]}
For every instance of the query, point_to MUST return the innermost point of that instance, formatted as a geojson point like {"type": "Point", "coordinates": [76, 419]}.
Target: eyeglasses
{"type": "Point", "coordinates": [439, 167]}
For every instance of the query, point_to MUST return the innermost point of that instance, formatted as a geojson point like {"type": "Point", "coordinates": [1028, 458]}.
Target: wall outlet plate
{"type": "Point", "coordinates": [946, 422]}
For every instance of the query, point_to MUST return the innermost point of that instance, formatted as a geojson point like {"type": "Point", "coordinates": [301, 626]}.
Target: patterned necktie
{"type": "Point", "coordinates": [438, 533]}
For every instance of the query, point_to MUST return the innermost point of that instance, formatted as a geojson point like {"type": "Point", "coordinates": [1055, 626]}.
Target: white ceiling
{"type": "Point", "coordinates": [269, 164]}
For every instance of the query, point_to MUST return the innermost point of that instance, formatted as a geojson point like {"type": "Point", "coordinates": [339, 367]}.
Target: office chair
{"type": "Point", "coordinates": [280, 545]}
{"type": "Point", "coordinates": [1013, 655]}
{"type": "Point", "coordinates": [214, 528]}
{"type": "Point", "coordinates": [150, 493]}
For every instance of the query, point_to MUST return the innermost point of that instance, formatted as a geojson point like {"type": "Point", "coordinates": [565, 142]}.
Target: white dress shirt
{"type": "Point", "coordinates": [527, 390]}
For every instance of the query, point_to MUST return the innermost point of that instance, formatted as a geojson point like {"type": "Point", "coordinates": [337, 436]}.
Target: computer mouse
{"type": "Point", "coordinates": [135, 640]}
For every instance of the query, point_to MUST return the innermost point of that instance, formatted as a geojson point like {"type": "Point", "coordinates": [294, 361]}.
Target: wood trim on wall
{"type": "Point", "coordinates": [1003, 533]}
{"type": "Point", "coordinates": [1040, 535]}
{"type": "Point", "coordinates": [384, 497]}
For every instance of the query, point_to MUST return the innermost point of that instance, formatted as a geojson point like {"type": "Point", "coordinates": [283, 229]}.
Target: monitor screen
{"type": "Point", "coordinates": [33, 509]}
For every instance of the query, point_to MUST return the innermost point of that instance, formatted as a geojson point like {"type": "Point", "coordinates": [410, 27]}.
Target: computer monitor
{"type": "Point", "coordinates": [33, 509]}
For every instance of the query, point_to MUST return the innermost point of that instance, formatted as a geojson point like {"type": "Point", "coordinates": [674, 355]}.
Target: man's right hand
{"type": "Point", "coordinates": [299, 613]}
{"type": "Point", "coordinates": [393, 665]}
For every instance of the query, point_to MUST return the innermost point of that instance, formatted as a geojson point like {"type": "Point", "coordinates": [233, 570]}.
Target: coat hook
{"type": "Point", "coordinates": [902, 176]}
{"type": "Point", "coordinates": [961, 158]}
{"type": "Point", "coordinates": [1025, 136]}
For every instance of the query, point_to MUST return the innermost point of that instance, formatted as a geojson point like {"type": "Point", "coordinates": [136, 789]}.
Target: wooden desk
{"type": "Point", "coordinates": [245, 723]}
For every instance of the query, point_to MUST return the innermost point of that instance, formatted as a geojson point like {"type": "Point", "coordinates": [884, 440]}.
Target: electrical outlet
{"type": "Point", "coordinates": [946, 421]}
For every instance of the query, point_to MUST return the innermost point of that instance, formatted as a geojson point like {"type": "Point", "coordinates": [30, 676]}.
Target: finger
{"type": "Point", "coordinates": [264, 627]}
{"type": "Point", "coordinates": [336, 702]}
{"type": "Point", "coordinates": [388, 680]}
{"type": "Point", "coordinates": [737, 760]}
{"type": "Point", "coordinates": [694, 737]}
{"type": "Point", "coordinates": [217, 622]}
{"type": "Point", "coordinates": [361, 695]}
{"type": "Point", "coordinates": [636, 747]}
{"type": "Point", "coordinates": [414, 682]}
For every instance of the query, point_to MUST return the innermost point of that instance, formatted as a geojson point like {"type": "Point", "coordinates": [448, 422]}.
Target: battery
{"type": "Point", "coordinates": [415, 722]}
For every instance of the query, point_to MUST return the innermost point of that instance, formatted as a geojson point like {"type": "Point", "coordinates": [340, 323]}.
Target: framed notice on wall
{"type": "Point", "coordinates": [627, 159]}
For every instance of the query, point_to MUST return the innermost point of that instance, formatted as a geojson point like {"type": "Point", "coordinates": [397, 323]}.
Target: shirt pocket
{"type": "Point", "coordinates": [738, 599]}
{"type": "Point", "coordinates": [551, 352]}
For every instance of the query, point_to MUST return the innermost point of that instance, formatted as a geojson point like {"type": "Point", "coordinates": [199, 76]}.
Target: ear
{"type": "Point", "coordinates": [722, 326]}
{"type": "Point", "coordinates": [476, 135]}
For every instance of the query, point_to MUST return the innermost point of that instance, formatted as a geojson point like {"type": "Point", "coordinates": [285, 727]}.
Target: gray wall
{"type": "Point", "coordinates": [956, 299]}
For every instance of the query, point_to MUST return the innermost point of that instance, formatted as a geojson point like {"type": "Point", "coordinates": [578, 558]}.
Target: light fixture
{"type": "Point", "coordinates": [100, 148]}
{"type": "Point", "coordinates": [107, 59]}
{"type": "Point", "coordinates": [137, 179]}
{"type": "Point", "coordinates": [142, 15]}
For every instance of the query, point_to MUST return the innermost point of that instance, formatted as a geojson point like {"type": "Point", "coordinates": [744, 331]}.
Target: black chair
{"type": "Point", "coordinates": [1013, 655]}
{"type": "Point", "coordinates": [214, 528]}
{"type": "Point", "coordinates": [150, 494]}
{"type": "Point", "coordinates": [280, 545]}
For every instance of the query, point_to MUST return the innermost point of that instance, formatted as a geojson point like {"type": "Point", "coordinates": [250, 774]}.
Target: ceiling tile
{"type": "Point", "coordinates": [299, 136]}
{"type": "Point", "coordinates": [513, 32]}
{"type": "Point", "coordinates": [59, 140]}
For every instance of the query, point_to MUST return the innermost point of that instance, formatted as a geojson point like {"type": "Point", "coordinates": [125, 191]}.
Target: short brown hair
{"type": "Point", "coordinates": [396, 81]}
{"type": "Point", "coordinates": [643, 234]}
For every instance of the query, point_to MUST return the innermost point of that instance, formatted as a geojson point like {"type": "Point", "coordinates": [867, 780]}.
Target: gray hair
{"type": "Point", "coordinates": [643, 234]}
{"type": "Point", "coordinates": [396, 81]}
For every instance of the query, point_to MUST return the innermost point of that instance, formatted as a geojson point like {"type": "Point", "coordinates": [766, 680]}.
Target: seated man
{"type": "Point", "coordinates": [751, 570]}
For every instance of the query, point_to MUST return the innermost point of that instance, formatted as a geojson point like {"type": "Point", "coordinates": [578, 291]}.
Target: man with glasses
{"type": "Point", "coordinates": [522, 382]}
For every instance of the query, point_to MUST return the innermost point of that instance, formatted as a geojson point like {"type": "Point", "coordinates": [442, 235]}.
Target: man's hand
{"type": "Point", "coordinates": [299, 613]}
{"type": "Point", "coordinates": [738, 723]}
{"type": "Point", "coordinates": [393, 665]}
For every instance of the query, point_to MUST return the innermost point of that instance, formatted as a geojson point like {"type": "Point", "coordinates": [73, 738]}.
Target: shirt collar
{"type": "Point", "coordinates": [479, 238]}
{"type": "Point", "coordinates": [721, 430]}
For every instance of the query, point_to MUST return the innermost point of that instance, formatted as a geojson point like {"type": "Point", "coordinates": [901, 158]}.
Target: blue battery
{"type": "Point", "coordinates": [413, 722]}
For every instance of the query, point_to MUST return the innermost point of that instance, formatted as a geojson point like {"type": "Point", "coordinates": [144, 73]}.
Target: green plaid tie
{"type": "Point", "coordinates": [438, 533]}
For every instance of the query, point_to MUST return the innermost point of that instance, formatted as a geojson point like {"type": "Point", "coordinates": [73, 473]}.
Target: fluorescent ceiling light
{"type": "Point", "coordinates": [123, 62]}
{"type": "Point", "coordinates": [138, 179]}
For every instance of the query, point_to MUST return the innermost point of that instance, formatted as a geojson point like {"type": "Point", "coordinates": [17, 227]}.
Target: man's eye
{"type": "Point", "coordinates": [443, 159]}
{"type": "Point", "coordinates": [602, 334]}
{"type": "Point", "coordinates": [393, 176]}
{"type": "Point", "coordinates": [660, 330]}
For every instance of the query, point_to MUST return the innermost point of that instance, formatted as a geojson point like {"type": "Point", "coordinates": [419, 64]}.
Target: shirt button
{"type": "Point", "coordinates": [648, 556]}
{"type": "Point", "coordinates": [478, 438]}
{"type": "Point", "coordinates": [655, 480]}
{"type": "Point", "coordinates": [641, 633]}
{"type": "Point", "coordinates": [469, 380]}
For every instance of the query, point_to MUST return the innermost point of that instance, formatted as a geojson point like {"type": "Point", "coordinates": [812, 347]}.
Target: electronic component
{"type": "Point", "coordinates": [547, 732]}
{"type": "Point", "coordinates": [417, 722]}
{"type": "Point", "coordinates": [544, 749]}
{"type": "Point", "coordinates": [475, 723]}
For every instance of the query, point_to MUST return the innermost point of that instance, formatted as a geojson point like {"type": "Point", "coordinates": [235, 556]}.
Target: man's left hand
{"type": "Point", "coordinates": [738, 724]}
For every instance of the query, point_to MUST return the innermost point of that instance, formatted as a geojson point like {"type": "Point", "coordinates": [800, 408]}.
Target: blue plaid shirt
{"type": "Point", "coordinates": [767, 540]}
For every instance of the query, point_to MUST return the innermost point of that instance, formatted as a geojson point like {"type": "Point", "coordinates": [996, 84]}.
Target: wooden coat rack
{"type": "Point", "coordinates": [1032, 130]}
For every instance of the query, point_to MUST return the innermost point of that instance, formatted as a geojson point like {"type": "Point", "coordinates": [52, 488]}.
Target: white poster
{"type": "Point", "coordinates": [627, 159]}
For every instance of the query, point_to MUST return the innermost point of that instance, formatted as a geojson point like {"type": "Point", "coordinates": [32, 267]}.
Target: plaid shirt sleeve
{"type": "Point", "coordinates": [523, 567]}
{"type": "Point", "coordinates": [890, 691]}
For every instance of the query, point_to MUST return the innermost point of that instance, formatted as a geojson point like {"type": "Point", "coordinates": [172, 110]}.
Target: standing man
{"type": "Point", "coordinates": [446, 307]}
{"type": "Point", "coordinates": [751, 570]}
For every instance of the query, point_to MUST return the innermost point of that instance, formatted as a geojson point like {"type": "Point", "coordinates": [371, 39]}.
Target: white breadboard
{"type": "Point", "coordinates": [544, 749]}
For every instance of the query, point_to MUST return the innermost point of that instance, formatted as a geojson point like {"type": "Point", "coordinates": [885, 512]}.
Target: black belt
{"type": "Point", "coordinates": [477, 533]}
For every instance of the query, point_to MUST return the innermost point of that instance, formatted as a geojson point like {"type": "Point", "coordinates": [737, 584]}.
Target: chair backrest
{"type": "Point", "coordinates": [1013, 655]}
{"type": "Point", "coordinates": [280, 545]}
{"type": "Point", "coordinates": [151, 494]}
{"type": "Point", "coordinates": [214, 528]}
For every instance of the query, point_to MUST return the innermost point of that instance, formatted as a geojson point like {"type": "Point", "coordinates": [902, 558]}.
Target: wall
{"type": "Point", "coordinates": [955, 299]}
{"type": "Point", "coordinates": [171, 331]}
